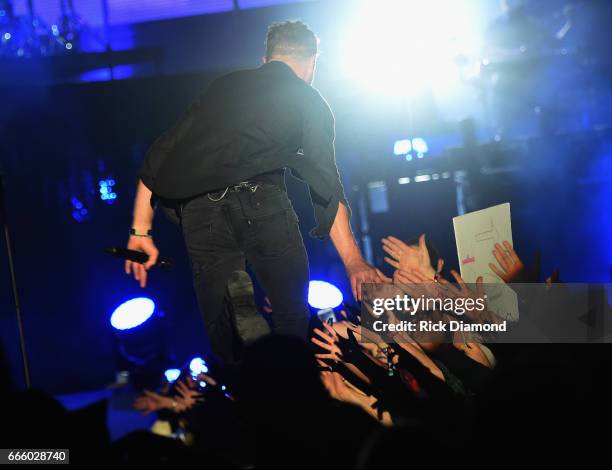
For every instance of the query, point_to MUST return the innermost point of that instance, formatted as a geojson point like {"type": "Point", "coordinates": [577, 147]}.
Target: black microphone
{"type": "Point", "coordinates": [138, 257]}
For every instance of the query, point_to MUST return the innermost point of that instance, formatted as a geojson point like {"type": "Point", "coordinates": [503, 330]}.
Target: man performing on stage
{"type": "Point", "coordinates": [219, 172]}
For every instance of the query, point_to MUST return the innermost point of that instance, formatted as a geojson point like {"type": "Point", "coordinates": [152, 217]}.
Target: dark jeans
{"type": "Point", "coordinates": [258, 227]}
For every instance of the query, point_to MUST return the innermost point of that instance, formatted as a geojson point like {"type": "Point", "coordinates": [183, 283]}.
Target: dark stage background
{"type": "Point", "coordinates": [60, 136]}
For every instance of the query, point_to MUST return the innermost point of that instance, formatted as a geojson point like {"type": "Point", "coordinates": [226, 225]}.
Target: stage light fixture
{"type": "Point", "coordinates": [420, 145]}
{"type": "Point", "coordinates": [422, 178]}
{"type": "Point", "coordinates": [172, 374]}
{"type": "Point", "coordinates": [198, 366]}
{"type": "Point", "coordinates": [402, 147]}
{"type": "Point", "coordinates": [132, 313]}
{"type": "Point", "coordinates": [79, 212]}
{"type": "Point", "coordinates": [141, 345]}
{"type": "Point", "coordinates": [322, 295]}
{"type": "Point", "coordinates": [107, 192]}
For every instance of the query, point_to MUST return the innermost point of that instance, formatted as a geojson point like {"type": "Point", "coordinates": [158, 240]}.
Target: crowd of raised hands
{"type": "Point", "coordinates": [386, 375]}
{"type": "Point", "coordinates": [395, 381]}
{"type": "Point", "coordinates": [181, 396]}
{"type": "Point", "coordinates": [358, 366]}
{"type": "Point", "coordinates": [387, 378]}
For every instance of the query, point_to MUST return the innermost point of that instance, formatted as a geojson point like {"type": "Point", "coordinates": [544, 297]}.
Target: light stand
{"type": "Point", "coordinates": [9, 252]}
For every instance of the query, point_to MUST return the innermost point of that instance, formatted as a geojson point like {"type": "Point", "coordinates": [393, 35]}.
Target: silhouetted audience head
{"type": "Point", "coordinates": [389, 445]}
{"type": "Point", "coordinates": [279, 371]}
{"type": "Point", "coordinates": [295, 421]}
{"type": "Point", "coordinates": [533, 402]}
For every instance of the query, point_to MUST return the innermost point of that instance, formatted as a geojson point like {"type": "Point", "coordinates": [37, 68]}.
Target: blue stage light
{"type": "Point", "coordinates": [106, 190]}
{"type": "Point", "coordinates": [79, 212]}
{"type": "Point", "coordinates": [172, 374]}
{"type": "Point", "coordinates": [132, 313]}
{"type": "Point", "coordinates": [322, 295]}
{"type": "Point", "coordinates": [198, 366]}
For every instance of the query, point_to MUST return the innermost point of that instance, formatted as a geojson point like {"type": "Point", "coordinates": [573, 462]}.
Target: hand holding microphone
{"type": "Point", "coordinates": [140, 256]}
{"type": "Point", "coordinates": [140, 271]}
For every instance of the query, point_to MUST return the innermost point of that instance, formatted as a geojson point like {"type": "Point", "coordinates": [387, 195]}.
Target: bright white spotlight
{"type": "Point", "coordinates": [198, 366]}
{"type": "Point", "coordinates": [422, 178]}
{"type": "Point", "coordinates": [419, 145]}
{"type": "Point", "coordinates": [132, 313]}
{"type": "Point", "coordinates": [323, 295]}
{"type": "Point", "coordinates": [172, 374]}
{"type": "Point", "coordinates": [403, 47]}
{"type": "Point", "coordinates": [402, 147]}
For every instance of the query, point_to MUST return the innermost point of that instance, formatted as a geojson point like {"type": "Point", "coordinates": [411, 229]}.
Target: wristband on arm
{"type": "Point", "coordinates": [134, 233]}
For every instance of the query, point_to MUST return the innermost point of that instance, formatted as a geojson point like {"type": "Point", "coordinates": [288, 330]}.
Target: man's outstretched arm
{"type": "Point", "coordinates": [143, 212]}
{"type": "Point", "coordinates": [142, 222]}
{"type": "Point", "coordinates": [357, 269]}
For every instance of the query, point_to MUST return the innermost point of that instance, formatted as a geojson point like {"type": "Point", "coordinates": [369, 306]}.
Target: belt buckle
{"type": "Point", "coordinates": [247, 185]}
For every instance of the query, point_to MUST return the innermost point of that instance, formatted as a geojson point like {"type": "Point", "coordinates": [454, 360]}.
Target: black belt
{"type": "Point", "coordinates": [243, 186]}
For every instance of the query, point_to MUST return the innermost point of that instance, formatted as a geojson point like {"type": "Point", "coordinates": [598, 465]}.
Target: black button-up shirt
{"type": "Point", "coordinates": [246, 124]}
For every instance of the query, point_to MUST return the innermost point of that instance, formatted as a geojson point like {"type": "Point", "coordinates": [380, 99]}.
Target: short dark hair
{"type": "Point", "coordinates": [291, 39]}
